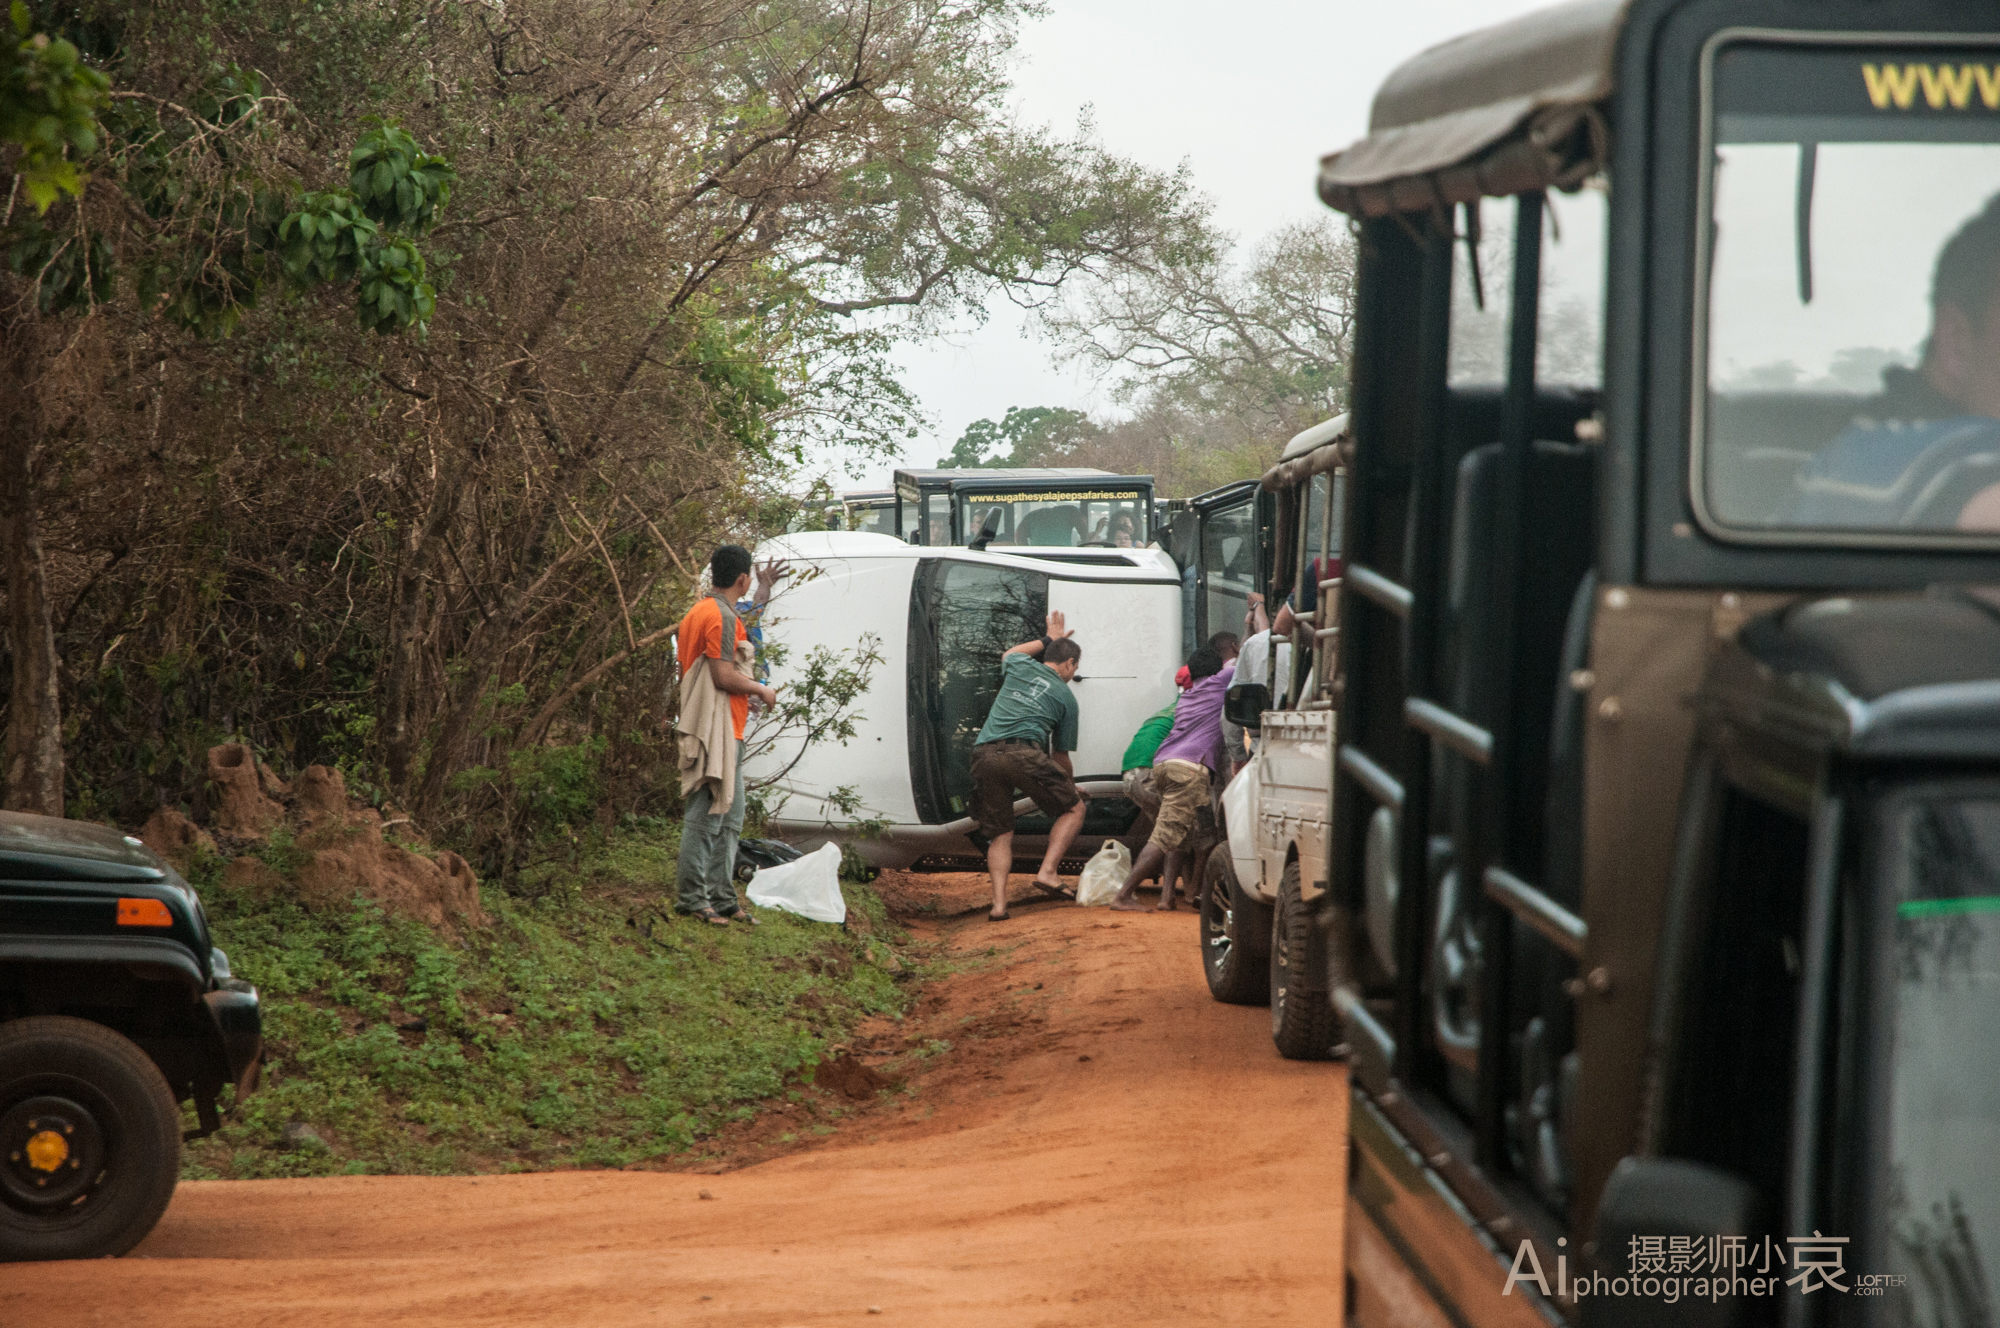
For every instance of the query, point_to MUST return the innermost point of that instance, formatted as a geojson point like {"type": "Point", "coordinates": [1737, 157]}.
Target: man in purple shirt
{"type": "Point", "coordinates": [1181, 768]}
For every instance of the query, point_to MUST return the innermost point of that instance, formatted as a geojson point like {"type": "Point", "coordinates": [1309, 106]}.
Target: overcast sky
{"type": "Point", "coordinates": [1250, 94]}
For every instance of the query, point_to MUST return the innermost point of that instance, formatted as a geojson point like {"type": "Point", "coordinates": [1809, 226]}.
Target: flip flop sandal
{"type": "Point", "coordinates": [999, 917]}
{"type": "Point", "coordinates": [741, 915]}
{"type": "Point", "coordinates": [1054, 891]}
{"type": "Point", "coordinates": [709, 916]}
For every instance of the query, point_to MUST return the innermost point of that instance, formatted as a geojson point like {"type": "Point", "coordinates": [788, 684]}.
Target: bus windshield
{"type": "Point", "coordinates": [1109, 518]}
{"type": "Point", "coordinates": [1853, 295]}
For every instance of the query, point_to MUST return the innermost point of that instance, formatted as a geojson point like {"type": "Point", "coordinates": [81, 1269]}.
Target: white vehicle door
{"type": "Point", "coordinates": [1131, 639]}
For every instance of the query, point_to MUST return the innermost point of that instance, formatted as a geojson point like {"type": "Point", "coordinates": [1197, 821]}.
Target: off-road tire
{"type": "Point", "coordinates": [1303, 1024]}
{"type": "Point", "coordinates": [1235, 932]}
{"type": "Point", "coordinates": [121, 1136]}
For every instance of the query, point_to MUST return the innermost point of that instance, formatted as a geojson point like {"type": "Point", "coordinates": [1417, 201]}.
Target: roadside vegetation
{"type": "Point", "coordinates": [586, 1027]}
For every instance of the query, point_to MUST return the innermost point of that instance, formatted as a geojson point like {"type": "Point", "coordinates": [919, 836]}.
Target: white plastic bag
{"type": "Point", "coordinates": [1104, 874]}
{"type": "Point", "coordinates": [809, 887]}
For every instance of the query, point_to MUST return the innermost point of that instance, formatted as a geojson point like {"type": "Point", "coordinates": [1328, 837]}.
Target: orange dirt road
{"type": "Point", "coordinates": [1113, 1148]}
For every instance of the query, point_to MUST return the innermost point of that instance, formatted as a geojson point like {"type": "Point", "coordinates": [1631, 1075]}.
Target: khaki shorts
{"type": "Point", "coordinates": [1183, 790]}
{"type": "Point", "coordinates": [998, 768]}
{"type": "Point", "coordinates": [1139, 790]}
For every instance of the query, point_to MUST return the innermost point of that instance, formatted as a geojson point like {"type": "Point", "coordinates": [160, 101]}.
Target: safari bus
{"type": "Point", "coordinates": [1659, 907]}
{"type": "Point", "coordinates": [872, 510]}
{"type": "Point", "coordinates": [1043, 508]}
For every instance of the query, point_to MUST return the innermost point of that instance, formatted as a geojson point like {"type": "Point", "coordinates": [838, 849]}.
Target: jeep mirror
{"type": "Point", "coordinates": [1662, 1196]}
{"type": "Point", "coordinates": [1245, 704]}
{"type": "Point", "coordinates": [988, 528]}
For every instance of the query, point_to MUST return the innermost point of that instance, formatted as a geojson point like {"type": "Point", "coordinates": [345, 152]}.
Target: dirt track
{"type": "Point", "coordinates": [1111, 1148]}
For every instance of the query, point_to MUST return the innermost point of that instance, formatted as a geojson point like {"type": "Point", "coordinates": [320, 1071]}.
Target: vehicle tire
{"type": "Point", "coordinates": [1234, 932]}
{"type": "Point", "coordinates": [1302, 1019]}
{"type": "Point", "coordinates": [90, 1141]}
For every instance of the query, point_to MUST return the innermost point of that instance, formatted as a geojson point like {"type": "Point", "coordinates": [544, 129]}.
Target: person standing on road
{"type": "Point", "coordinates": [1026, 745]}
{"type": "Point", "coordinates": [713, 819]}
{"type": "Point", "coordinates": [1181, 768]}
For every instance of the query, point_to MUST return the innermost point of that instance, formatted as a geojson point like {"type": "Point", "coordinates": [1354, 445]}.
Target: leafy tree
{"type": "Point", "coordinates": [1220, 363]}
{"type": "Point", "coordinates": [191, 207]}
{"type": "Point", "coordinates": [1036, 436]}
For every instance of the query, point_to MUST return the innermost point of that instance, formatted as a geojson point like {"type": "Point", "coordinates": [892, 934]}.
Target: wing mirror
{"type": "Point", "coordinates": [1245, 703]}
{"type": "Point", "coordinates": [1663, 1196]}
{"type": "Point", "coordinates": [988, 528]}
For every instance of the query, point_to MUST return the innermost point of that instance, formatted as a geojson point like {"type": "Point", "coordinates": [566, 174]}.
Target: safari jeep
{"type": "Point", "coordinates": [1668, 681]}
{"type": "Point", "coordinates": [114, 1009]}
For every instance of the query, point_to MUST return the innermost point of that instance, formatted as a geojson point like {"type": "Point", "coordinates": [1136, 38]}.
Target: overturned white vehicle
{"type": "Point", "coordinates": [941, 617]}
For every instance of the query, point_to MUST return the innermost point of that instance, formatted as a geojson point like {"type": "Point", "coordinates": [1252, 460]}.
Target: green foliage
{"type": "Point", "coordinates": [49, 104]}
{"type": "Point", "coordinates": [594, 1033]}
{"type": "Point", "coordinates": [71, 267]}
{"type": "Point", "coordinates": [1036, 436]}
{"type": "Point", "coordinates": [556, 786]}
{"type": "Point", "coordinates": [399, 186]}
{"type": "Point", "coordinates": [743, 382]}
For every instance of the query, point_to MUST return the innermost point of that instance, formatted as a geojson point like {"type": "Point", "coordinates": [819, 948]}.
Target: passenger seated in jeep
{"type": "Point", "coordinates": [1925, 453]}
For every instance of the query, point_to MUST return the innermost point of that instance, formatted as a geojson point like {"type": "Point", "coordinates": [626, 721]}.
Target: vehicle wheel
{"type": "Point", "coordinates": [1234, 932]}
{"type": "Point", "coordinates": [90, 1141]}
{"type": "Point", "coordinates": [1302, 1019]}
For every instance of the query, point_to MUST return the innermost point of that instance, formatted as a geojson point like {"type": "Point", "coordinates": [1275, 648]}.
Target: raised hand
{"type": "Point", "coordinates": [769, 575]}
{"type": "Point", "coordinates": [1056, 632]}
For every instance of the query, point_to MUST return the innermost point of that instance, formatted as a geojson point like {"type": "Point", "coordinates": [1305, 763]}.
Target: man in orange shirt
{"type": "Point", "coordinates": [708, 841]}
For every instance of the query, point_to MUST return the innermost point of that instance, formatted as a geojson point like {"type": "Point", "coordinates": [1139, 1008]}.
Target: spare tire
{"type": "Point", "coordinates": [90, 1140]}
{"type": "Point", "coordinates": [1235, 935]}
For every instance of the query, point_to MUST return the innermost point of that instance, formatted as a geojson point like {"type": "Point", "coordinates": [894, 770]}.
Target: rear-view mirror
{"type": "Point", "coordinates": [1245, 704]}
{"type": "Point", "coordinates": [1660, 1198]}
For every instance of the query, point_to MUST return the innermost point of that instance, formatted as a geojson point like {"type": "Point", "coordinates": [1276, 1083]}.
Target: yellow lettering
{"type": "Point", "coordinates": [1989, 85]}
{"type": "Point", "coordinates": [1943, 84]}
{"type": "Point", "coordinates": [1890, 84]}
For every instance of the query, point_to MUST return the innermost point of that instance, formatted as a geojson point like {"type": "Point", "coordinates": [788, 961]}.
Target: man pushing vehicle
{"type": "Point", "coordinates": [1026, 745]}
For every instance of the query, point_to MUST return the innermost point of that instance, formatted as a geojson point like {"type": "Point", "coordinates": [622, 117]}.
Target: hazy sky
{"type": "Point", "coordinates": [1249, 94]}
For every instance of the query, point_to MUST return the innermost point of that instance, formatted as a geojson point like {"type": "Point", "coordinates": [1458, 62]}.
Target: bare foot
{"type": "Point", "coordinates": [1124, 905]}
{"type": "Point", "coordinates": [1166, 905]}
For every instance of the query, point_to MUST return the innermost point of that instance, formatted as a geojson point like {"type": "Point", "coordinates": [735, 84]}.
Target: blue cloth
{"type": "Point", "coordinates": [751, 614]}
{"type": "Point", "coordinates": [1877, 474]}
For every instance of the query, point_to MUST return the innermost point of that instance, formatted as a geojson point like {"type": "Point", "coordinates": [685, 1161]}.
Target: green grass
{"type": "Point", "coordinates": [587, 1028]}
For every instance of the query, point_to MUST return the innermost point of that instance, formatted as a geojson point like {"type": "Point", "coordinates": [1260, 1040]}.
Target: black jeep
{"type": "Point", "coordinates": [114, 1009]}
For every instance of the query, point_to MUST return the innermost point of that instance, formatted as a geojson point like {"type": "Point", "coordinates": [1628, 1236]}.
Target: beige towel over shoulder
{"type": "Point", "coordinates": [707, 737]}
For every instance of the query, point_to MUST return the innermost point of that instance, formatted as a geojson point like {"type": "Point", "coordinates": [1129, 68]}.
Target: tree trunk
{"type": "Point", "coordinates": [413, 576]}
{"type": "Point", "coordinates": [34, 755]}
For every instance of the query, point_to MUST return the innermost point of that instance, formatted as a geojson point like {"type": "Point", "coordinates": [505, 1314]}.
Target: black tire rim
{"type": "Point", "coordinates": [58, 1135]}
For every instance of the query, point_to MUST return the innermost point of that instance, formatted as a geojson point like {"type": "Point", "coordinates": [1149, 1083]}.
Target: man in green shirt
{"type": "Point", "coordinates": [1034, 712]}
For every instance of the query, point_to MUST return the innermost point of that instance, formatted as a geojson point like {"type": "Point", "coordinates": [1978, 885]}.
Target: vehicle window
{"type": "Point", "coordinates": [1569, 344]}
{"type": "Point", "coordinates": [1847, 188]}
{"type": "Point", "coordinates": [874, 520]}
{"type": "Point", "coordinates": [1942, 1190]}
{"type": "Point", "coordinates": [908, 509]}
{"type": "Point", "coordinates": [980, 611]}
{"type": "Point", "coordinates": [1229, 565]}
{"type": "Point", "coordinates": [1115, 518]}
{"type": "Point", "coordinates": [937, 520]}
{"type": "Point", "coordinates": [1479, 296]}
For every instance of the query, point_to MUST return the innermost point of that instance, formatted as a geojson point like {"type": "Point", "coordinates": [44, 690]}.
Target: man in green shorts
{"type": "Point", "coordinates": [1025, 745]}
